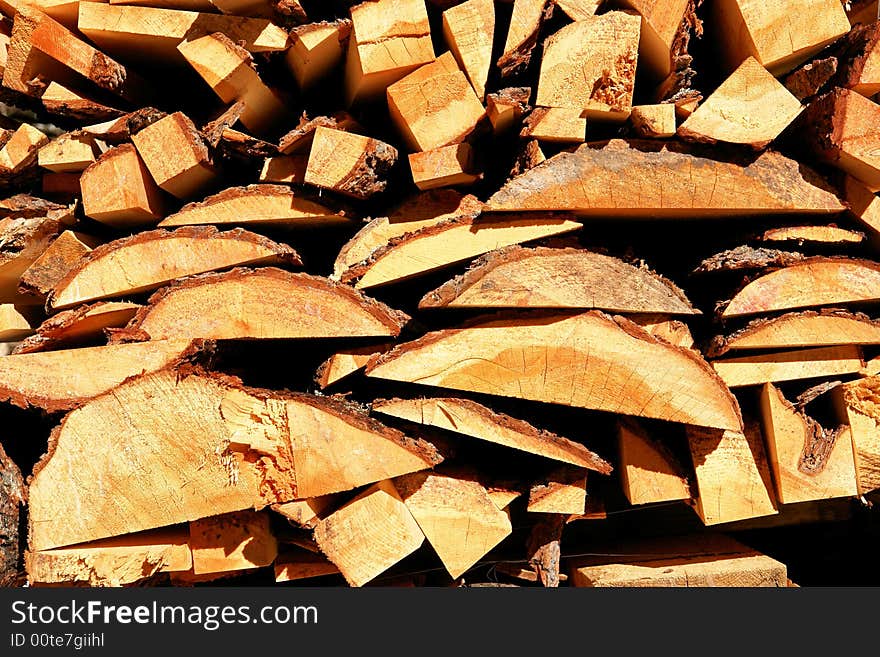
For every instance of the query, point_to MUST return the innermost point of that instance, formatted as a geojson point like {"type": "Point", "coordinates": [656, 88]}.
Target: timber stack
{"type": "Point", "coordinates": [444, 292]}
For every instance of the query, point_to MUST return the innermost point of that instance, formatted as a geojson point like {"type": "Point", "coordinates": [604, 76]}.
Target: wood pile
{"type": "Point", "coordinates": [408, 292]}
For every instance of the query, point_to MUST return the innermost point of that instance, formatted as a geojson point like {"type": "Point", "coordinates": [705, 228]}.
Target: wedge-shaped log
{"type": "Point", "coordinates": [420, 211]}
{"type": "Point", "coordinates": [864, 206]}
{"type": "Point", "coordinates": [67, 153]}
{"type": "Point", "coordinates": [733, 477]}
{"type": "Point", "coordinates": [808, 461]}
{"type": "Point", "coordinates": [555, 125]}
{"type": "Point", "coordinates": [231, 449]}
{"type": "Point", "coordinates": [118, 190]}
{"type": "Point", "coordinates": [274, 205]}
{"type": "Point", "coordinates": [316, 50]}
{"type": "Point", "coordinates": [587, 360]}
{"type": "Point", "coordinates": [522, 35]}
{"type": "Point", "coordinates": [649, 472]}
{"type": "Point", "coordinates": [346, 362]}
{"type": "Point", "coordinates": [578, 10]}
{"type": "Point", "coordinates": [290, 567]}
{"type": "Point", "coordinates": [468, 29]}
{"type": "Point", "coordinates": [590, 66]}
{"type": "Point", "coordinates": [654, 121]}
{"type": "Point", "coordinates": [812, 282]}
{"type": "Point", "coordinates": [674, 182]}
{"type": "Point", "coordinates": [750, 107]}
{"type": "Point", "coordinates": [61, 380]}
{"type": "Point", "coordinates": [240, 540]}
{"type": "Point", "coordinates": [661, 24]}
{"type": "Point", "coordinates": [857, 407]}
{"type": "Point", "coordinates": [370, 534]}
{"type": "Point", "coordinates": [860, 68]}
{"type": "Point", "coordinates": [58, 99]}
{"type": "Point", "coordinates": [815, 234]}
{"type": "Point", "coordinates": [505, 108]}
{"type": "Point", "coordinates": [562, 491]}
{"type": "Point", "coordinates": [447, 243]}
{"type": "Point", "coordinates": [53, 264]}
{"type": "Point", "coordinates": [349, 164]}
{"type": "Point", "coordinates": [542, 277]}
{"type": "Point", "coordinates": [469, 418]}
{"type": "Point", "coordinates": [306, 513]}
{"type": "Point", "coordinates": [662, 326]}
{"type": "Point", "coordinates": [263, 303]}
{"type": "Point", "coordinates": [22, 241]}
{"type": "Point", "coordinates": [803, 329]}
{"type": "Point", "coordinates": [17, 322]}
{"type": "Point", "coordinates": [152, 259]}
{"type": "Point", "coordinates": [789, 365]}
{"type": "Point", "coordinates": [456, 515]}
{"type": "Point", "coordinates": [21, 150]}
{"type": "Point", "coordinates": [78, 325]}
{"type": "Point", "coordinates": [444, 167]}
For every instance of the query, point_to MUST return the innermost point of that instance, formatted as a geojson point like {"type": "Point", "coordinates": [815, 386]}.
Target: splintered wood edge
{"type": "Point", "coordinates": [47, 332]}
{"type": "Point", "coordinates": [395, 320]}
{"type": "Point", "coordinates": [450, 290]}
{"type": "Point", "coordinates": [514, 424]}
{"type": "Point", "coordinates": [721, 344]}
{"type": "Point", "coordinates": [282, 251]}
{"type": "Point", "coordinates": [624, 324]}
{"type": "Point", "coordinates": [747, 258]}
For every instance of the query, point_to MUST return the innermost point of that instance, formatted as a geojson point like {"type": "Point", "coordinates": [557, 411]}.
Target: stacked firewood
{"type": "Point", "coordinates": [409, 292]}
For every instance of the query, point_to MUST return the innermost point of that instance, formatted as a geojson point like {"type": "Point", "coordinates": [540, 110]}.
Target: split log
{"type": "Point", "coordinates": [556, 125]}
{"type": "Point", "coordinates": [857, 407]}
{"type": "Point", "coordinates": [578, 10]}
{"type": "Point", "coordinates": [732, 474]}
{"type": "Point", "coordinates": [290, 567]}
{"type": "Point", "coordinates": [25, 206]}
{"type": "Point", "coordinates": [69, 152]}
{"type": "Point", "coordinates": [753, 29]}
{"type": "Point", "coordinates": [469, 29]}
{"type": "Point", "coordinates": [79, 325]}
{"type": "Point", "coordinates": [590, 66]}
{"type": "Point", "coordinates": [522, 34]}
{"type": "Point", "coordinates": [240, 540]}
{"type": "Point", "coordinates": [807, 81]}
{"type": "Point", "coordinates": [812, 282]}
{"type": "Point", "coordinates": [750, 107]}
{"type": "Point", "coordinates": [661, 326]}
{"type": "Point", "coordinates": [456, 515]}
{"type": "Point", "coordinates": [528, 157]}
{"type": "Point", "coordinates": [502, 495]}
{"type": "Point", "coordinates": [346, 362]}
{"type": "Point", "coordinates": [520, 356]}
{"type": "Point", "coordinates": [506, 107]}
{"type": "Point", "coordinates": [544, 550]}
{"type": "Point", "coordinates": [13, 495]}
{"type": "Point", "coordinates": [316, 50]}
{"type": "Point", "coordinates": [443, 167]}
{"type": "Point", "coordinates": [232, 449]}
{"type": "Point", "coordinates": [389, 39]}
{"type": "Point", "coordinates": [469, 418]}
{"type": "Point", "coordinates": [23, 241]}
{"type": "Point", "coordinates": [864, 205]}
{"type": "Point", "coordinates": [272, 205]}
{"type": "Point", "coordinates": [420, 211]}
{"type": "Point", "coordinates": [285, 169]}
{"type": "Point", "coordinates": [149, 260]}
{"type": "Point", "coordinates": [349, 164]}
{"type": "Point", "coordinates": [596, 180]}
{"type": "Point", "coordinates": [117, 561]}
{"type": "Point", "coordinates": [21, 150]}
{"type": "Point", "coordinates": [259, 304]}
{"type": "Point", "coordinates": [447, 243]}
{"type": "Point", "coordinates": [434, 105]}
{"type": "Point", "coordinates": [306, 513]}
{"type": "Point", "coordinates": [654, 121]}
{"type": "Point", "coordinates": [119, 130]}
{"type": "Point", "coordinates": [370, 534]}
{"type": "Point", "coordinates": [789, 365]}
{"type": "Point", "coordinates": [16, 322]}
{"type": "Point", "coordinates": [58, 99]}
{"type": "Point", "coordinates": [175, 155]}
{"type": "Point", "coordinates": [543, 277]}
{"type": "Point", "coordinates": [808, 461]}
{"type": "Point", "coordinates": [119, 191]}
{"type": "Point", "coordinates": [55, 262]}
{"type": "Point", "coordinates": [661, 24]}
{"type": "Point", "coordinates": [860, 65]}
{"type": "Point", "coordinates": [563, 491]}
{"type": "Point", "coordinates": [649, 472]}
{"type": "Point", "coordinates": [816, 234]}
{"type": "Point", "coordinates": [299, 140]}
{"type": "Point", "coordinates": [747, 258]}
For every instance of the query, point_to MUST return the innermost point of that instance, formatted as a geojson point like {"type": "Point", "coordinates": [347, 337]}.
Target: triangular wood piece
{"type": "Point", "coordinates": [259, 204]}
{"type": "Point", "coordinates": [472, 419]}
{"type": "Point", "coordinates": [316, 50]}
{"type": "Point", "coordinates": [290, 567]}
{"type": "Point", "coordinates": [22, 241]}
{"type": "Point", "coordinates": [468, 29]}
{"type": "Point", "coordinates": [559, 278]}
{"type": "Point", "coordinates": [662, 326]}
{"type": "Point", "coordinates": [814, 234]}
{"type": "Point", "coordinates": [562, 491]}
{"type": "Point", "coordinates": [589, 360]}
{"type": "Point", "coordinates": [522, 35]}
{"type": "Point", "coordinates": [857, 406]}
{"type": "Point", "coordinates": [578, 10]}
{"type": "Point", "coordinates": [232, 448]}
{"type": "Point", "coordinates": [789, 365]}
{"type": "Point", "coordinates": [663, 22]}
{"type": "Point", "coordinates": [349, 164]}
{"type": "Point", "coordinates": [58, 99]}
{"type": "Point", "coordinates": [53, 264]}
{"type": "Point", "coordinates": [306, 513]}
{"type": "Point", "coordinates": [654, 121]}
{"type": "Point", "coordinates": [369, 534]}
{"type": "Point", "coordinates": [240, 540]}
{"type": "Point", "coordinates": [346, 362]}
{"type": "Point", "coordinates": [17, 322]}
{"type": "Point", "coordinates": [649, 471]}
{"type": "Point", "coordinates": [808, 461]}
{"type": "Point", "coordinates": [450, 242]}
{"type": "Point", "coordinates": [597, 180]}
{"type": "Point", "coordinates": [149, 260]}
{"type": "Point", "coordinates": [119, 191]}
{"type": "Point", "coordinates": [812, 282]}
{"type": "Point", "coordinates": [262, 303]}
{"type": "Point", "coordinates": [456, 515]}
{"type": "Point", "coordinates": [78, 325]}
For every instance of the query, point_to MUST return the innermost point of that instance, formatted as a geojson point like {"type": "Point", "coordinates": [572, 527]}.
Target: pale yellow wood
{"type": "Point", "coordinates": [649, 472]}
{"type": "Point", "coordinates": [240, 540]}
{"type": "Point", "coordinates": [349, 164]}
{"type": "Point", "coordinates": [346, 362]}
{"type": "Point", "coordinates": [789, 365]}
{"type": "Point", "coordinates": [556, 125]}
{"type": "Point", "coordinates": [578, 10]}
{"type": "Point", "coordinates": [672, 331]}
{"type": "Point", "coordinates": [285, 169]}
{"type": "Point", "coordinates": [290, 567]}
{"type": "Point", "coordinates": [857, 407]}
{"type": "Point", "coordinates": [22, 241]}
{"type": "Point", "coordinates": [63, 11]}
{"type": "Point", "coordinates": [590, 66]}
{"type": "Point", "coordinates": [370, 534]}
{"type": "Point", "coordinates": [307, 512]}
{"type": "Point", "coordinates": [316, 50]}
{"type": "Point", "coordinates": [67, 153]}
{"type": "Point", "coordinates": [732, 475]}
{"type": "Point", "coordinates": [661, 22]}
{"type": "Point", "coordinates": [506, 108]}
{"type": "Point", "coordinates": [16, 322]}
{"type": "Point", "coordinates": [502, 496]}
{"type": "Point", "coordinates": [443, 167]}
{"type": "Point", "coordinates": [469, 29]}
{"type": "Point", "coordinates": [53, 264]}
{"type": "Point", "coordinates": [805, 329]}
{"type": "Point", "coordinates": [657, 121]}
{"type": "Point", "coordinates": [456, 515]}
{"type": "Point", "coordinates": [58, 99]}
{"type": "Point", "coordinates": [118, 190]}
{"type": "Point", "coordinates": [522, 33]}
{"type": "Point", "coordinates": [563, 491]}
{"type": "Point", "coordinates": [21, 150]}
{"type": "Point", "coordinates": [864, 206]}
{"type": "Point", "coordinates": [555, 358]}
{"type": "Point", "coordinates": [820, 234]}
{"type": "Point", "coordinates": [188, 5]}
{"type": "Point", "coordinates": [83, 324]}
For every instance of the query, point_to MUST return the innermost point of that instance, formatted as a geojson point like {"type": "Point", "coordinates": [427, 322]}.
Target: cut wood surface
{"type": "Point", "coordinates": [299, 140]}
{"type": "Point", "coordinates": [456, 515]}
{"type": "Point", "coordinates": [273, 205]}
{"type": "Point", "coordinates": [151, 259]}
{"type": "Point", "coordinates": [468, 29]}
{"type": "Point", "coordinates": [816, 234]}
{"type": "Point", "coordinates": [22, 241]}
{"type": "Point", "coordinates": [563, 491]}
{"type": "Point", "coordinates": [555, 125]}
{"type": "Point", "coordinates": [346, 362]}
{"type": "Point", "coordinates": [262, 303]}
{"type": "Point", "coordinates": [661, 326]}
{"type": "Point", "coordinates": [21, 150]}
{"type": "Point", "coordinates": [58, 99]}
{"type": "Point", "coordinates": [654, 120]}
{"type": "Point", "coordinates": [649, 471]}
{"type": "Point", "coordinates": [857, 406]}
{"type": "Point", "coordinates": [535, 358]}
{"type": "Point", "coordinates": [812, 282]}
{"type": "Point", "coordinates": [808, 461]}
{"type": "Point", "coordinates": [349, 164]}
{"type": "Point", "coordinates": [732, 474]}
{"type": "Point", "coordinates": [305, 513]}
{"type": "Point", "coordinates": [369, 534]}
{"type": "Point", "coordinates": [13, 494]}
{"type": "Point", "coordinates": [290, 567]}
{"type": "Point", "coordinates": [450, 242]}
{"type": "Point", "coordinates": [285, 169]}
{"type": "Point", "coordinates": [316, 50]}
{"type": "Point", "coordinates": [544, 277]}
{"type": "Point", "coordinates": [522, 34]}
{"type": "Point", "coordinates": [789, 365]}
{"type": "Point", "coordinates": [578, 10]}
{"type": "Point", "coordinates": [16, 322]}
{"type": "Point", "coordinates": [597, 180]}
{"type": "Point", "coordinates": [590, 66]}
{"type": "Point", "coordinates": [469, 418]}
{"type": "Point", "coordinates": [661, 26]}
{"type": "Point", "coordinates": [506, 108]}
{"type": "Point", "coordinates": [750, 107]}
{"type": "Point", "coordinates": [78, 325]}
{"type": "Point", "coordinates": [864, 206]}
{"type": "Point", "coordinates": [67, 153]}
{"type": "Point", "coordinates": [443, 167]}
{"type": "Point", "coordinates": [240, 540]}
